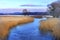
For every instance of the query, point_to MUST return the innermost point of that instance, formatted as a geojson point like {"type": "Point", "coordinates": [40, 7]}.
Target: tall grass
{"type": "Point", "coordinates": [51, 25]}
{"type": "Point", "coordinates": [8, 22]}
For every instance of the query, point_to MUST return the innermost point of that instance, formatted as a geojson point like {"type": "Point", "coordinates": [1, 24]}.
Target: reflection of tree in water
{"type": "Point", "coordinates": [54, 9]}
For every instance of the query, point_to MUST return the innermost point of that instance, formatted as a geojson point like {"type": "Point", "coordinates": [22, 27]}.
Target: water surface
{"type": "Point", "coordinates": [28, 31]}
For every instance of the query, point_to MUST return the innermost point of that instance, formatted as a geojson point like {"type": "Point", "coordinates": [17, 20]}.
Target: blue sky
{"type": "Point", "coordinates": [17, 3]}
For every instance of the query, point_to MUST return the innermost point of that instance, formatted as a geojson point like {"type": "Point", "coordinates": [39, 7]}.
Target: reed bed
{"type": "Point", "coordinates": [51, 25]}
{"type": "Point", "coordinates": [8, 22]}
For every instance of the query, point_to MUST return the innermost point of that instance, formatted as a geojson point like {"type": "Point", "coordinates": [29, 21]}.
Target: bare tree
{"type": "Point", "coordinates": [25, 12]}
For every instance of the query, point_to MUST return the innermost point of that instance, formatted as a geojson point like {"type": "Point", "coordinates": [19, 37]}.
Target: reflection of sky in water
{"type": "Point", "coordinates": [17, 3]}
{"type": "Point", "coordinates": [28, 31]}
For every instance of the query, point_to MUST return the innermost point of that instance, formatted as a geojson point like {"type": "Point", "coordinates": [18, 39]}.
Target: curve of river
{"type": "Point", "coordinates": [28, 31]}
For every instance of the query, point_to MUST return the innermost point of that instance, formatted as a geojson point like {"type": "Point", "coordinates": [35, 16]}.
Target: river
{"type": "Point", "coordinates": [28, 31]}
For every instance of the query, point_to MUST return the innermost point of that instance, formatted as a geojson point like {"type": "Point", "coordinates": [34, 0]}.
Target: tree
{"type": "Point", "coordinates": [54, 9]}
{"type": "Point", "coordinates": [25, 12]}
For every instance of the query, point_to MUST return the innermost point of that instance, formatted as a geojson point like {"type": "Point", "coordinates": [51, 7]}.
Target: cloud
{"type": "Point", "coordinates": [17, 3]}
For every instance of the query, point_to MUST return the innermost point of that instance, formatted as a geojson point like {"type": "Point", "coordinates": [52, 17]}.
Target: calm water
{"type": "Point", "coordinates": [28, 31]}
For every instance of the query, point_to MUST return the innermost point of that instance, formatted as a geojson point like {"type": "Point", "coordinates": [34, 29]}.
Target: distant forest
{"type": "Point", "coordinates": [28, 13]}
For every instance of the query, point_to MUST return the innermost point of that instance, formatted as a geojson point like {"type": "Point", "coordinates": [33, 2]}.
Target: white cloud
{"type": "Point", "coordinates": [17, 3]}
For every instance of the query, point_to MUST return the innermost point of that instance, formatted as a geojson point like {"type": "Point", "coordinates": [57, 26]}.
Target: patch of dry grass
{"type": "Point", "coordinates": [37, 16]}
{"type": "Point", "coordinates": [48, 24]}
{"type": "Point", "coordinates": [51, 25]}
{"type": "Point", "coordinates": [8, 22]}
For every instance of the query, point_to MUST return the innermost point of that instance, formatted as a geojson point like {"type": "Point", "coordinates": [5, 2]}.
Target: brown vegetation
{"type": "Point", "coordinates": [51, 25]}
{"type": "Point", "coordinates": [48, 24]}
{"type": "Point", "coordinates": [8, 22]}
{"type": "Point", "coordinates": [37, 16]}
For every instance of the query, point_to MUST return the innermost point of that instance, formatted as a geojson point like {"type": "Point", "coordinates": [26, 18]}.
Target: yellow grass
{"type": "Point", "coordinates": [49, 24]}
{"type": "Point", "coordinates": [52, 25]}
{"type": "Point", "coordinates": [8, 22]}
{"type": "Point", "coordinates": [56, 30]}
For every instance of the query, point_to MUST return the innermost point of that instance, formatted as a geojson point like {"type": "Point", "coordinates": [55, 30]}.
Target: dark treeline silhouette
{"type": "Point", "coordinates": [28, 13]}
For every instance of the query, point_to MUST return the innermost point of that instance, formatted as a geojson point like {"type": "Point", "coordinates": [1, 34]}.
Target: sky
{"type": "Point", "coordinates": [18, 3]}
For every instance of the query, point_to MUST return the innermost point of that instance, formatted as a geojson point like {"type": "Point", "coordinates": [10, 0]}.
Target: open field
{"type": "Point", "coordinates": [8, 22]}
